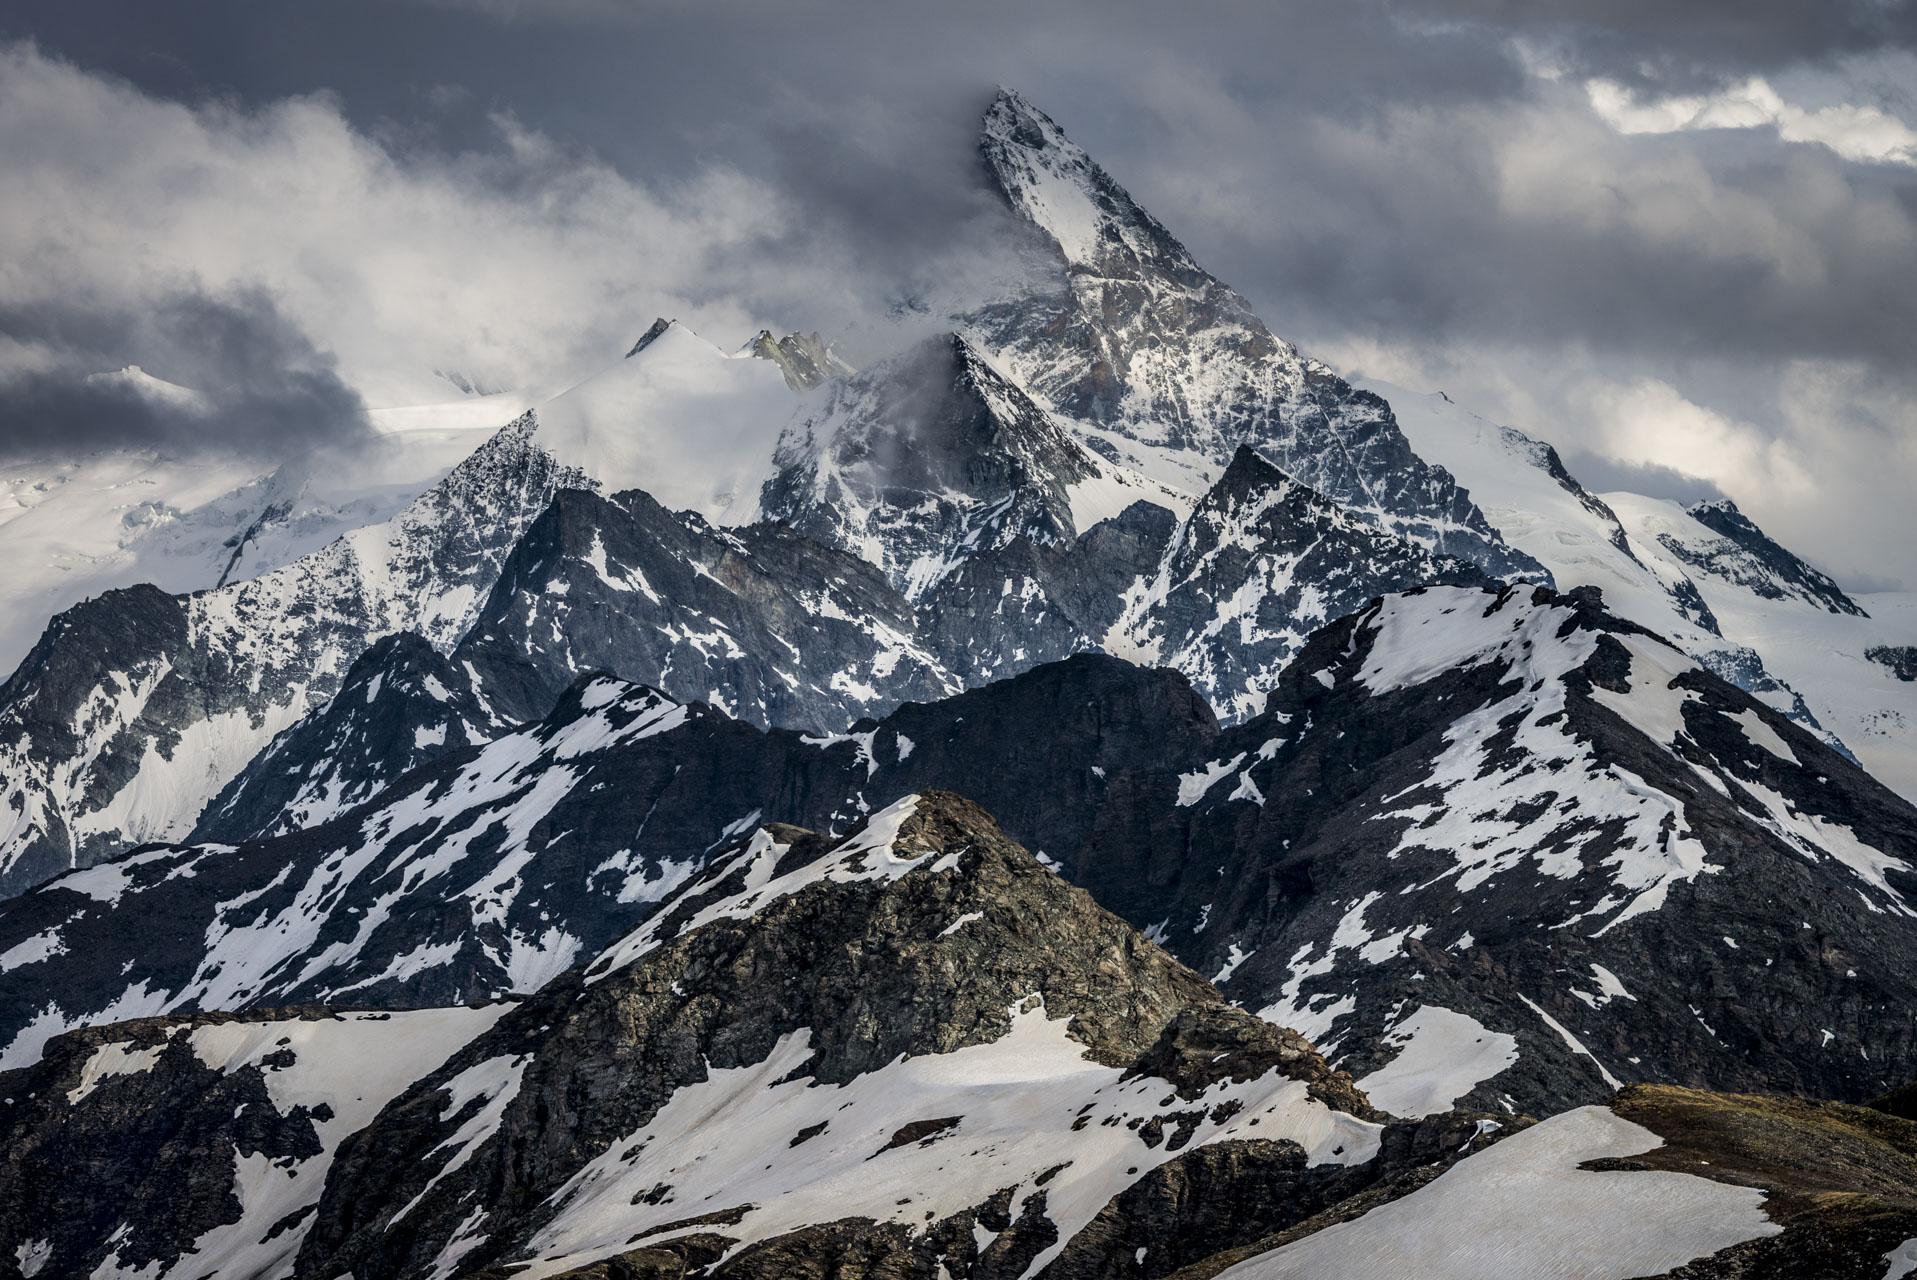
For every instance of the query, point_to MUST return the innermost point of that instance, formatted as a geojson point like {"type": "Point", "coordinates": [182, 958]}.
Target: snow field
{"type": "Point", "coordinates": [1522, 1209]}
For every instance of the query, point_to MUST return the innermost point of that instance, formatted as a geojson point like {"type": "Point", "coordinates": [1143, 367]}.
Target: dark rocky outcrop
{"type": "Point", "coordinates": [1484, 833]}
{"type": "Point", "coordinates": [400, 706]}
{"type": "Point", "coordinates": [872, 972]}
{"type": "Point", "coordinates": [492, 868]}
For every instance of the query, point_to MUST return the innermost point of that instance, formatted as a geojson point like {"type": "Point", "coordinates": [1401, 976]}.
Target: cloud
{"type": "Point", "coordinates": [227, 373]}
{"type": "Point", "coordinates": [1700, 38]}
{"type": "Point", "coordinates": [526, 262]}
{"type": "Point", "coordinates": [1864, 134]}
{"type": "Point", "coordinates": [1651, 423]}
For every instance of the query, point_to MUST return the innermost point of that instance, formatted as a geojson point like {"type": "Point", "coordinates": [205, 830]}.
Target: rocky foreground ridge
{"type": "Point", "coordinates": [911, 1050]}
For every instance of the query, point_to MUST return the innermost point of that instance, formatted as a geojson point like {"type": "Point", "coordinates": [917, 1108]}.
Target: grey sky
{"type": "Point", "coordinates": [1577, 216]}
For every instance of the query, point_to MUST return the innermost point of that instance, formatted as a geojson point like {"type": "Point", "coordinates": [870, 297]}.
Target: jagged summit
{"type": "Point", "coordinates": [1765, 559]}
{"type": "Point", "coordinates": [1166, 370]}
{"type": "Point", "coordinates": [1262, 561]}
{"type": "Point", "coordinates": [647, 338]}
{"type": "Point", "coordinates": [805, 359]}
{"type": "Point", "coordinates": [1062, 190]}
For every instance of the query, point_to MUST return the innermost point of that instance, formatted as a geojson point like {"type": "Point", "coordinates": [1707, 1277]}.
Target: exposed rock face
{"type": "Point", "coordinates": [804, 359]}
{"type": "Point", "coordinates": [924, 460]}
{"type": "Point", "coordinates": [1514, 807]}
{"type": "Point", "coordinates": [1171, 371]}
{"type": "Point", "coordinates": [773, 627]}
{"type": "Point", "coordinates": [181, 692]}
{"type": "Point", "coordinates": [400, 706]}
{"type": "Point", "coordinates": [196, 1145]}
{"type": "Point", "coordinates": [1751, 559]}
{"type": "Point", "coordinates": [1024, 603]}
{"type": "Point", "coordinates": [1900, 660]}
{"type": "Point", "coordinates": [1262, 563]}
{"type": "Point", "coordinates": [496, 867]}
{"type": "Point", "coordinates": [911, 1048]}
{"type": "Point", "coordinates": [797, 977]}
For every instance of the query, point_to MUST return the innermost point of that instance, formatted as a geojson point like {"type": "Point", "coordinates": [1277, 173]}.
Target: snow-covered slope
{"type": "Point", "coordinates": [73, 528]}
{"type": "Point", "coordinates": [690, 424]}
{"type": "Point", "coordinates": [925, 460]}
{"type": "Point", "coordinates": [401, 705]}
{"type": "Point", "coordinates": [1259, 565]}
{"type": "Point", "coordinates": [1810, 633]}
{"type": "Point", "coordinates": [1518, 810]}
{"type": "Point", "coordinates": [1530, 1207]}
{"type": "Point", "coordinates": [990, 1114]}
{"type": "Point", "coordinates": [1742, 605]}
{"type": "Point", "coordinates": [134, 709]}
{"type": "Point", "coordinates": [497, 866]}
{"type": "Point", "coordinates": [910, 1050]}
{"type": "Point", "coordinates": [241, 1120]}
{"type": "Point", "coordinates": [1524, 489]}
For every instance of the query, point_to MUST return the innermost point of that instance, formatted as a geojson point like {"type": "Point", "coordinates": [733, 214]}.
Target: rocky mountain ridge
{"type": "Point", "coordinates": [1471, 830]}
{"type": "Point", "coordinates": [741, 1088]}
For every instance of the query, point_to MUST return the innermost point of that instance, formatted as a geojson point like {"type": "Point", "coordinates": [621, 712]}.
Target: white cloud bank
{"type": "Point", "coordinates": [1863, 134]}
{"type": "Point", "coordinates": [526, 266]}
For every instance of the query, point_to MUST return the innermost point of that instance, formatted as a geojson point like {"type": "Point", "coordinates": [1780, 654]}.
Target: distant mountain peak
{"type": "Point", "coordinates": [1056, 185]}
{"type": "Point", "coordinates": [1776, 572]}
{"type": "Point", "coordinates": [647, 338]}
{"type": "Point", "coordinates": [1169, 370]}
{"type": "Point", "coordinates": [804, 359]}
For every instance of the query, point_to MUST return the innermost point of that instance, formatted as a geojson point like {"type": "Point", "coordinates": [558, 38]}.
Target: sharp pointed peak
{"type": "Point", "coordinates": [1012, 119]}
{"type": "Point", "coordinates": [650, 336]}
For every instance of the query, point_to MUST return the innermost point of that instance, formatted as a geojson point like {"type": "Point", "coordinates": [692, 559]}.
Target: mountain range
{"type": "Point", "coordinates": [1094, 793]}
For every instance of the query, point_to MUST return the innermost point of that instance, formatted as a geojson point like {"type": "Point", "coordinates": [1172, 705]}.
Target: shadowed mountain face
{"type": "Point", "coordinates": [912, 1049]}
{"type": "Point", "coordinates": [908, 1042]}
{"type": "Point", "coordinates": [177, 693]}
{"type": "Point", "coordinates": [1514, 807]}
{"type": "Point", "coordinates": [1474, 826]}
{"type": "Point", "coordinates": [497, 866]}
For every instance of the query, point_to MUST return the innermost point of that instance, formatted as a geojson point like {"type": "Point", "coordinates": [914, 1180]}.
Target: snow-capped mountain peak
{"type": "Point", "coordinates": [1062, 191]}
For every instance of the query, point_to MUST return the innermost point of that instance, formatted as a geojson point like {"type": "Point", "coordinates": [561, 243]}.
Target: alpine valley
{"type": "Point", "coordinates": [1093, 794]}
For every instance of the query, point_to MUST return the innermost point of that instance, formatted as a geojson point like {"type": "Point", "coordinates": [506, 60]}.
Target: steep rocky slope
{"type": "Point", "coordinates": [912, 1043]}
{"type": "Point", "coordinates": [496, 867]}
{"type": "Point", "coordinates": [1260, 564]}
{"type": "Point", "coordinates": [400, 706]}
{"type": "Point", "coordinates": [1496, 846]}
{"type": "Point", "coordinates": [196, 1147]}
{"type": "Point", "coordinates": [1506, 847]}
{"type": "Point", "coordinates": [775, 628]}
{"type": "Point", "coordinates": [135, 708]}
{"type": "Point", "coordinates": [908, 1051]}
{"type": "Point", "coordinates": [1166, 370]}
{"type": "Point", "coordinates": [932, 457]}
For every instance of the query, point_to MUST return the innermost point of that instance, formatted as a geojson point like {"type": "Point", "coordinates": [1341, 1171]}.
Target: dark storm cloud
{"type": "Point", "coordinates": [1694, 38]}
{"type": "Point", "coordinates": [231, 374]}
